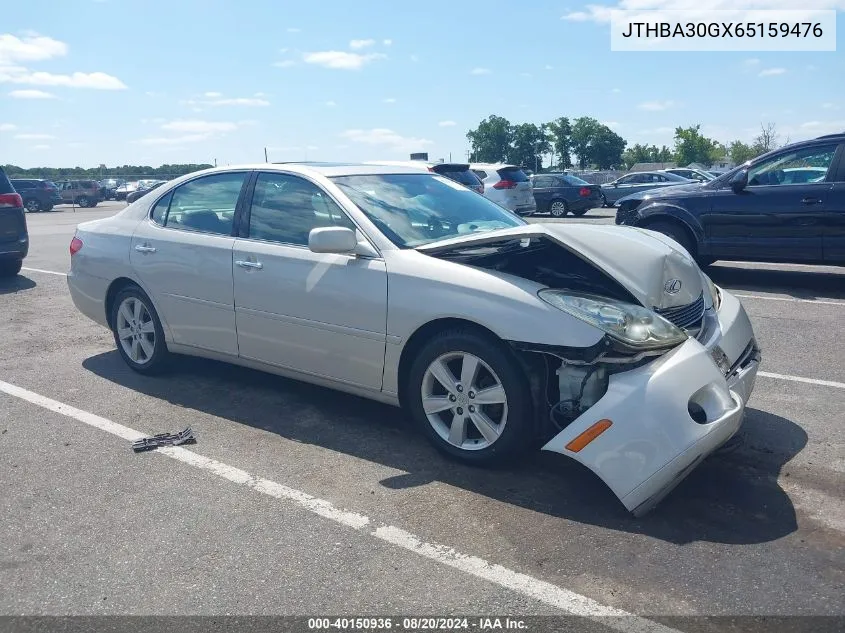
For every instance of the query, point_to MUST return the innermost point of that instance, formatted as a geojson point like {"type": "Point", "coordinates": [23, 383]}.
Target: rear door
{"type": "Point", "coordinates": [773, 219]}
{"type": "Point", "coordinates": [183, 256]}
{"type": "Point", "coordinates": [833, 239]}
{"type": "Point", "coordinates": [543, 189]}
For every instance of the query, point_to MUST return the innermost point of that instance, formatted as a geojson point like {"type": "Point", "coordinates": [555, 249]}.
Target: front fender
{"type": "Point", "coordinates": [651, 211]}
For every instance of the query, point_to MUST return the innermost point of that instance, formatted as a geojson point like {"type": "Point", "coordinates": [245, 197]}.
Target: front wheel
{"type": "Point", "coordinates": [82, 201]}
{"type": "Point", "coordinates": [604, 201]}
{"type": "Point", "coordinates": [558, 208]}
{"type": "Point", "coordinates": [468, 395]}
{"type": "Point", "coordinates": [677, 233]}
{"type": "Point", "coordinates": [137, 331]}
{"type": "Point", "coordinates": [10, 269]}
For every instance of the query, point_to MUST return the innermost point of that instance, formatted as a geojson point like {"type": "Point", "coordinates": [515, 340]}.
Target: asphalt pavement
{"type": "Point", "coordinates": [299, 500]}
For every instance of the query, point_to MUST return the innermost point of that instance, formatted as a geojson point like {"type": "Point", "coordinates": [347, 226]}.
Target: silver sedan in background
{"type": "Point", "coordinates": [606, 344]}
{"type": "Point", "coordinates": [640, 181]}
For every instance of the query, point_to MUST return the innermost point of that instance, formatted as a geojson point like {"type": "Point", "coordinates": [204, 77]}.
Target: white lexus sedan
{"type": "Point", "coordinates": [605, 344]}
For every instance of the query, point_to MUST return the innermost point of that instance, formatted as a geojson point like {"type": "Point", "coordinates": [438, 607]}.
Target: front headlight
{"type": "Point", "coordinates": [713, 290]}
{"type": "Point", "coordinates": [631, 324]}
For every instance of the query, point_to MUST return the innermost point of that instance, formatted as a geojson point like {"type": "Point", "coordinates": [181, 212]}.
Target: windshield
{"type": "Point", "coordinates": [416, 209]}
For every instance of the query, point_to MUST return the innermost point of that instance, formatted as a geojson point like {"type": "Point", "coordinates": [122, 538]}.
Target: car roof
{"type": "Point", "coordinates": [325, 169]}
{"type": "Point", "coordinates": [493, 165]}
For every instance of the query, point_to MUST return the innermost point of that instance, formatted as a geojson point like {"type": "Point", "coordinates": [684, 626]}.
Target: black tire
{"type": "Point", "coordinates": [83, 201]}
{"type": "Point", "coordinates": [33, 205]}
{"type": "Point", "coordinates": [558, 208]}
{"type": "Point", "coordinates": [676, 232]}
{"type": "Point", "coordinates": [10, 268]}
{"type": "Point", "coordinates": [604, 201]}
{"type": "Point", "coordinates": [48, 208]}
{"type": "Point", "coordinates": [579, 212]}
{"type": "Point", "coordinates": [516, 436]}
{"type": "Point", "coordinates": [157, 362]}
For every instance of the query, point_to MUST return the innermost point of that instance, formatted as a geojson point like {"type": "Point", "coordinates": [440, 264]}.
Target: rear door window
{"type": "Point", "coordinates": [542, 182]}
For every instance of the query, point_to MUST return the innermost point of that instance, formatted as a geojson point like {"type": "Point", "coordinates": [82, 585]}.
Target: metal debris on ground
{"type": "Point", "coordinates": [164, 439]}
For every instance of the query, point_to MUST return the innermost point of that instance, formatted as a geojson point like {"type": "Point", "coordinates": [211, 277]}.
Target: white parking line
{"type": "Point", "coordinates": [810, 381]}
{"type": "Point", "coordinates": [46, 272]}
{"type": "Point", "coordinates": [819, 301]}
{"type": "Point", "coordinates": [547, 593]}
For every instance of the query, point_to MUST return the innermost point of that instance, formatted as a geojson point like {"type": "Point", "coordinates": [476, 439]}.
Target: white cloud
{"type": "Point", "coordinates": [197, 126]}
{"type": "Point", "coordinates": [480, 71]}
{"type": "Point", "coordinates": [259, 94]}
{"type": "Point", "coordinates": [312, 147]}
{"type": "Point", "coordinates": [825, 106]}
{"type": "Point", "coordinates": [174, 140]}
{"type": "Point", "coordinates": [8, 127]}
{"type": "Point", "coordinates": [549, 67]}
{"type": "Point", "coordinates": [771, 72]}
{"type": "Point", "coordinates": [293, 29]}
{"type": "Point", "coordinates": [34, 137]}
{"type": "Point", "coordinates": [389, 100]}
{"type": "Point", "coordinates": [330, 104]}
{"type": "Point", "coordinates": [525, 74]}
{"type": "Point", "coordinates": [33, 48]}
{"type": "Point", "coordinates": [752, 62]}
{"type": "Point", "coordinates": [447, 124]}
{"type": "Point", "coordinates": [386, 138]}
{"type": "Point", "coordinates": [616, 91]}
{"type": "Point", "coordinates": [41, 147]}
{"type": "Point", "coordinates": [212, 95]}
{"type": "Point", "coordinates": [341, 60]}
{"type": "Point", "coordinates": [358, 44]}
{"type": "Point", "coordinates": [415, 58]}
{"type": "Point", "coordinates": [614, 125]}
{"type": "Point", "coordinates": [811, 129]}
{"type": "Point", "coordinates": [226, 101]}
{"type": "Point", "coordinates": [387, 42]}
{"type": "Point", "coordinates": [285, 63]}
{"type": "Point", "coordinates": [283, 50]}
{"type": "Point", "coordinates": [95, 81]}
{"type": "Point", "coordinates": [31, 94]}
{"type": "Point", "coordinates": [656, 106]}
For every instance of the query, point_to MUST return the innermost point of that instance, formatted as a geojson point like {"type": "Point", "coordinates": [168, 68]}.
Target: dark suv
{"type": "Point", "coordinates": [37, 194]}
{"type": "Point", "coordinates": [787, 205]}
{"type": "Point", "coordinates": [83, 193]}
{"type": "Point", "coordinates": [14, 238]}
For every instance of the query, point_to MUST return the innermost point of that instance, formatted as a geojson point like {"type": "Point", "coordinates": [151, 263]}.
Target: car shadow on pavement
{"type": "Point", "coordinates": [801, 284]}
{"type": "Point", "coordinates": [733, 497]}
{"type": "Point", "coordinates": [15, 284]}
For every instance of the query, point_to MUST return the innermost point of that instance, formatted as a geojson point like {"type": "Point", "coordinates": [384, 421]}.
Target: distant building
{"type": "Point", "coordinates": [651, 166]}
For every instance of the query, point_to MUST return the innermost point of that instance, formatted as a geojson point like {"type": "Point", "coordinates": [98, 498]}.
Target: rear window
{"type": "Point", "coordinates": [465, 176]}
{"type": "Point", "coordinates": [5, 185]}
{"type": "Point", "coordinates": [577, 182]}
{"type": "Point", "coordinates": [512, 173]}
{"type": "Point", "coordinates": [22, 184]}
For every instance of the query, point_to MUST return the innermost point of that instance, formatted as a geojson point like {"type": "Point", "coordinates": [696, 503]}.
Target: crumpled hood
{"type": "Point", "coordinates": [652, 267]}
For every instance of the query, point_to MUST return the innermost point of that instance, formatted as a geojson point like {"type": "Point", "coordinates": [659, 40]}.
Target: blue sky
{"type": "Point", "coordinates": [84, 82]}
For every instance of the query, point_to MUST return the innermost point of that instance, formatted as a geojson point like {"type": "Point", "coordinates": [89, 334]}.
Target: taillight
{"type": "Point", "coordinates": [505, 184]}
{"type": "Point", "coordinates": [75, 246]}
{"type": "Point", "coordinates": [585, 192]}
{"type": "Point", "coordinates": [10, 200]}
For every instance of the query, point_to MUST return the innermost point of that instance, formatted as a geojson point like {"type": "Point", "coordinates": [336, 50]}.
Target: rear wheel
{"type": "Point", "coordinates": [32, 205]}
{"type": "Point", "coordinates": [10, 268]}
{"type": "Point", "coordinates": [137, 331]}
{"type": "Point", "coordinates": [676, 232]}
{"type": "Point", "coordinates": [558, 208]}
{"type": "Point", "coordinates": [83, 201]}
{"type": "Point", "coordinates": [466, 393]}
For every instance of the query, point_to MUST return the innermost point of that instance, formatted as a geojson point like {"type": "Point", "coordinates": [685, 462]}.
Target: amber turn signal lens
{"type": "Point", "coordinates": [589, 435]}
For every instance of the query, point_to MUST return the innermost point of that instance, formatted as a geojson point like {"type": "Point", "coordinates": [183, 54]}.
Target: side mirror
{"type": "Point", "coordinates": [332, 239]}
{"type": "Point", "coordinates": [739, 180]}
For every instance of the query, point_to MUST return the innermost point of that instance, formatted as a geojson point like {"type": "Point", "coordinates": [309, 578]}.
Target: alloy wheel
{"type": "Point", "coordinates": [464, 401]}
{"type": "Point", "coordinates": [33, 206]}
{"type": "Point", "coordinates": [558, 208]}
{"type": "Point", "coordinates": [136, 330]}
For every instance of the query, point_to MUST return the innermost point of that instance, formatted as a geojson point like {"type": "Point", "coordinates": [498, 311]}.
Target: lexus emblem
{"type": "Point", "coordinates": [672, 287]}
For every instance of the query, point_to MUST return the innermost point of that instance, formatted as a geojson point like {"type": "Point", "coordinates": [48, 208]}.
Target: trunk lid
{"type": "Point", "coordinates": [653, 268]}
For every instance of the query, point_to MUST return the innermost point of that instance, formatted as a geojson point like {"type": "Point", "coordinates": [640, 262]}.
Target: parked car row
{"type": "Point", "coordinates": [42, 195]}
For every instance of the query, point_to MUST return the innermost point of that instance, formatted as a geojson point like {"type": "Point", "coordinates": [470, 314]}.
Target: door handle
{"type": "Point", "coordinates": [141, 248]}
{"type": "Point", "coordinates": [810, 200]}
{"type": "Point", "coordinates": [245, 264]}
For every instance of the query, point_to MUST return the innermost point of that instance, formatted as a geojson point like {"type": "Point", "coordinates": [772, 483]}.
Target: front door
{"type": "Point", "coordinates": [773, 217]}
{"type": "Point", "coordinates": [183, 255]}
{"type": "Point", "coordinates": [321, 314]}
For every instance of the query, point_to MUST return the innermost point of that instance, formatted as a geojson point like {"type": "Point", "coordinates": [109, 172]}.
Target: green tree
{"type": "Point", "coordinates": [560, 133]}
{"type": "Point", "coordinates": [693, 147]}
{"type": "Point", "coordinates": [740, 152]}
{"type": "Point", "coordinates": [491, 140]}
{"type": "Point", "coordinates": [528, 145]}
{"type": "Point", "coordinates": [594, 143]}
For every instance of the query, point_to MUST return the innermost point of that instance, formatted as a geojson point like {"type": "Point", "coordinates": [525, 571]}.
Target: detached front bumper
{"type": "Point", "coordinates": [668, 415]}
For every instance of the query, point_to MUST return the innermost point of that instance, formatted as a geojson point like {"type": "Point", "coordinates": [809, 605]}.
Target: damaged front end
{"type": "Point", "coordinates": [667, 383]}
